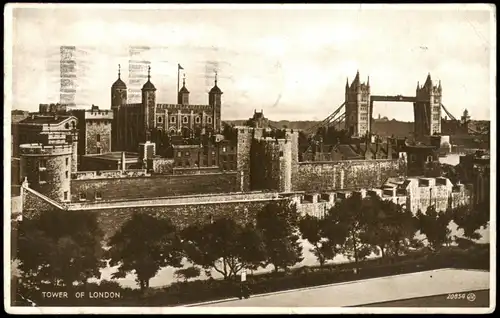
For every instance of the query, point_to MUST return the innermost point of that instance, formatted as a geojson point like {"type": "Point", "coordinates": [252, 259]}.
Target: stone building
{"type": "Point", "coordinates": [475, 169]}
{"type": "Point", "coordinates": [136, 123]}
{"type": "Point", "coordinates": [47, 169]}
{"type": "Point", "coordinates": [94, 130]}
{"type": "Point", "coordinates": [54, 128]}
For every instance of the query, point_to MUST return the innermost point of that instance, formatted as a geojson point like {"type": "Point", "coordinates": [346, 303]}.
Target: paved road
{"type": "Point", "coordinates": [370, 291]}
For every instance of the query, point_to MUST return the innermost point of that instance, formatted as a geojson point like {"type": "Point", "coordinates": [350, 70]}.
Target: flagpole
{"type": "Point", "coordinates": [178, 71]}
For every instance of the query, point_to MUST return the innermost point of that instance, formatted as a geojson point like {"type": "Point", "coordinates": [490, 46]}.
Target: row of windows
{"type": "Point", "coordinates": [187, 163]}
{"type": "Point", "coordinates": [83, 196]}
{"type": "Point", "coordinates": [205, 152]}
{"type": "Point", "coordinates": [187, 153]}
{"type": "Point", "coordinates": [185, 119]}
{"type": "Point", "coordinates": [98, 122]}
{"type": "Point", "coordinates": [413, 158]}
{"type": "Point", "coordinates": [230, 157]}
{"type": "Point", "coordinates": [67, 125]}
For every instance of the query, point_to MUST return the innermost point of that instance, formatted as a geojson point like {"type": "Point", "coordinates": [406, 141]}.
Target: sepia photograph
{"type": "Point", "coordinates": [234, 158]}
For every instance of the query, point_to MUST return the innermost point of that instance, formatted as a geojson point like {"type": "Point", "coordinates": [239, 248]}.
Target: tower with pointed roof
{"type": "Point", "coordinates": [183, 95]}
{"type": "Point", "coordinates": [427, 109]}
{"type": "Point", "coordinates": [357, 107]}
{"type": "Point", "coordinates": [215, 101]}
{"type": "Point", "coordinates": [148, 106]}
{"type": "Point", "coordinates": [118, 98]}
{"type": "Point", "coordinates": [118, 92]}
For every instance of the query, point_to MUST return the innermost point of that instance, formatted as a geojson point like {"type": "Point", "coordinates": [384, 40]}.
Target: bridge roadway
{"type": "Point", "coordinates": [370, 291]}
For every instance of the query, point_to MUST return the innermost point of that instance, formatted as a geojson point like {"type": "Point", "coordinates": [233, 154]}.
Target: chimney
{"type": "Point", "coordinates": [123, 168]}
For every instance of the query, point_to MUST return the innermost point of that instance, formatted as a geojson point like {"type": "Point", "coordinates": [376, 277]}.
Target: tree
{"type": "Point", "coordinates": [435, 226]}
{"type": "Point", "coordinates": [187, 273]}
{"type": "Point", "coordinates": [59, 248]}
{"type": "Point", "coordinates": [312, 230]}
{"type": "Point", "coordinates": [471, 218]}
{"type": "Point", "coordinates": [143, 245]}
{"type": "Point", "coordinates": [224, 246]}
{"type": "Point", "coordinates": [389, 227]}
{"type": "Point", "coordinates": [278, 222]}
{"type": "Point", "coordinates": [346, 227]}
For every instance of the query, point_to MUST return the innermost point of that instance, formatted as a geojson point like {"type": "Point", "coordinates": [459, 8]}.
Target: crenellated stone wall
{"type": "Point", "coordinates": [345, 174]}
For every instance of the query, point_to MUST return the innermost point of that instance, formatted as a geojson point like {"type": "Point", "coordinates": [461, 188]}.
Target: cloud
{"type": "Point", "coordinates": [300, 59]}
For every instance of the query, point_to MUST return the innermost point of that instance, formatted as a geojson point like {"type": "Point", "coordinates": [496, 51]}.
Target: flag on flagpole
{"type": "Point", "coordinates": [180, 67]}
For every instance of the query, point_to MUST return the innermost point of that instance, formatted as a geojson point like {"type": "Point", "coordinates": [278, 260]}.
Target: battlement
{"type": "Point", "coordinates": [109, 174]}
{"type": "Point", "coordinates": [183, 107]}
{"type": "Point", "coordinates": [47, 150]}
{"type": "Point", "coordinates": [52, 108]}
{"type": "Point", "coordinates": [98, 114]}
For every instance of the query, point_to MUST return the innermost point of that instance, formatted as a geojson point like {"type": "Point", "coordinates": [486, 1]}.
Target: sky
{"type": "Point", "coordinates": [290, 62]}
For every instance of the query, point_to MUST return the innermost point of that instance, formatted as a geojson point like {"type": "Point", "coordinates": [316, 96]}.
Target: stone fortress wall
{"type": "Point", "coordinates": [267, 169]}
{"type": "Point", "coordinates": [243, 206]}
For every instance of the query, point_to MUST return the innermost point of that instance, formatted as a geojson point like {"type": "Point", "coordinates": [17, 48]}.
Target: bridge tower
{"type": "Point", "coordinates": [427, 109]}
{"type": "Point", "coordinates": [357, 107]}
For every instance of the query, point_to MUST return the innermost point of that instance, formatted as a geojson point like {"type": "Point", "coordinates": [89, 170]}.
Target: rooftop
{"type": "Point", "coordinates": [115, 156]}
{"type": "Point", "coordinates": [44, 119]}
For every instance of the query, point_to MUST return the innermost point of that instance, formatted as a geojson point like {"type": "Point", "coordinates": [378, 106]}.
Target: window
{"type": "Point", "coordinates": [67, 162]}
{"type": "Point", "coordinates": [179, 163]}
{"type": "Point", "coordinates": [281, 153]}
{"type": "Point", "coordinates": [198, 119]}
{"type": "Point", "coordinates": [413, 158]}
{"type": "Point", "coordinates": [43, 176]}
{"type": "Point", "coordinates": [42, 163]}
{"type": "Point", "coordinates": [172, 119]}
{"type": "Point", "coordinates": [435, 117]}
{"type": "Point", "coordinates": [98, 195]}
{"type": "Point", "coordinates": [99, 150]}
{"type": "Point", "coordinates": [209, 120]}
{"type": "Point", "coordinates": [213, 153]}
{"type": "Point", "coordinates": [223, 149]}
{"type": "Point", "coordinates": [205, 162]}
{"type": "Point", "coordinates": [73, 125]}
{"type": "Point", "coordinates": [186, 163]}
{"type": "Point", "coordinates": [67, 174]}
{"type": "Point", "coordinates": [184, 119]}
{"type": "Point", "coordinates": [429, 158]}
{"type": "Point", "coordinates": [83, 196]}
{"type": "Point", "coordinates": [159, 119]}
{"type": "Point", "coordinates": [436, 108]}
{"type": "Point", "coordinates": [179, 154]}
{"type": "Point", "coordinates": [187, 153]}
{"type": "Point", "coordinates": [66, 126]}
{"type": "Point", "coordinates": [98, 137]}
{"type": "Point", "coordinates": [65, 195]}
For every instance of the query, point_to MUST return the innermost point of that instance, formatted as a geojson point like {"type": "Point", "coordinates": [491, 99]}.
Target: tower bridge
{"type": "Point", "coordinates": [356, 112]}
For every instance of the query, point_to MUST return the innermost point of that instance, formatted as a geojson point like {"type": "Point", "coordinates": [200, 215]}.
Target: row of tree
{"type": "Point", "coordinates": [61, 248]}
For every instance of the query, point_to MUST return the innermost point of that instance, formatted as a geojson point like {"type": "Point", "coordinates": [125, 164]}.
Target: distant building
{"type": "Point", "coordinates": [258, 120]}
